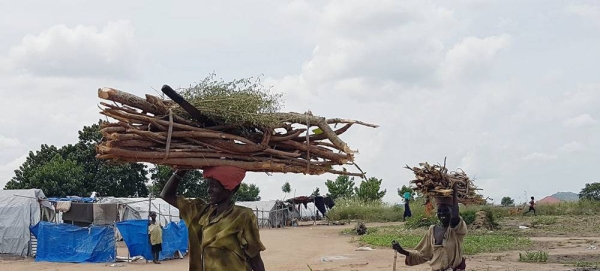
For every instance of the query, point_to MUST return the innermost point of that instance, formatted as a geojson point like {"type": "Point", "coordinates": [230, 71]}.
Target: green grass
{"type": "Point", "coordinates": [354, 209]}
{"type": "Point", "coordinates": [544, 220]}
{"type": "Point", "coordinates": [475, 242]}
{"type": "Point", "coordinates": [534, 257]}
{"type": "Point", "coordinates": [493, 242]}
{"type": "Point", "coordinates": [587, 264]}
{"type": "Point", "coordinates": [582, 207]}
{"type": "Point", "coordinates": [374, 211]}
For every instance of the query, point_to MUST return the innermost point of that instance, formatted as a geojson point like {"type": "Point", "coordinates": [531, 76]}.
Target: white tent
{"type": "Point", "coordinates": [20, 209]}
{"type": "Point", "coordinates": [139, 208]}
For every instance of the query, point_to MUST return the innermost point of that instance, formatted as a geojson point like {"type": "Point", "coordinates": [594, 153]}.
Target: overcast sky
{"type": "Point", "coordinates": [507, 90]}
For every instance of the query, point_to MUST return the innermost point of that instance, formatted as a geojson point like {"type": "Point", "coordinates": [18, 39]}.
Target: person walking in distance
{"type": "Point", "coordinates": [531, 206]}
{"type": "Point", "coordinates": [155, 236]}
{"type": "Point", "coordinates": [407, 212]}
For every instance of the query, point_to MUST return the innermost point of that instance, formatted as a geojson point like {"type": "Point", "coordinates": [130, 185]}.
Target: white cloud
{"type": "Point", "coordinates": [7, 170]}
{"type": "Point", "coordinates": [572, 147]}
{"type": "Point", "coordinates": [391, 39]}
{"type": "Point", "coordinates": [580, 121]}
{"type": "Point", "coordinates": [540, 157]}
{"type": "Point", "coordinates": [472, 57]}
{"type": "Point", "coordinates": [81, 51]}
{"type": "Point", "coordinates": [6, 142]}
{"type": "Point", "coordinates": [590, 13]}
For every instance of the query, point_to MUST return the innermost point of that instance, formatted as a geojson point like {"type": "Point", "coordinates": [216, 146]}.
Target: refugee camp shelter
{"type": "Point", "coordinates": [139, 208]}
{"type": "Point", "coordinates": [85, 211]}
{"type": "Point", "coordinates": [20, 209]}
{"type": "Point", "coordinates": [270, 213]}
{"type": "Point", "coordinates": [309, 207]}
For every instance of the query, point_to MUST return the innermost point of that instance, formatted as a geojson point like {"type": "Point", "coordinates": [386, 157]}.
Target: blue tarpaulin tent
{"type": "Point", "coordinates": [74, 244]}
{"type": "Point", "coordinates": [135, 235]}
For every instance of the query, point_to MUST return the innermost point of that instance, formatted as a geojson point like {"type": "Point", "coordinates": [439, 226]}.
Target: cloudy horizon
{"type": "Point", "coordinates": [508, 91]}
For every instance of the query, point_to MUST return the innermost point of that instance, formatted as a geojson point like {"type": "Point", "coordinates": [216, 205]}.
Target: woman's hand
{"type": "Point", "coordinates": [396, 246]}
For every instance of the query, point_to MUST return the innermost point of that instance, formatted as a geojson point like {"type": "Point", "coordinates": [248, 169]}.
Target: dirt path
{"type": "Point", "coordinates": [325, 249]}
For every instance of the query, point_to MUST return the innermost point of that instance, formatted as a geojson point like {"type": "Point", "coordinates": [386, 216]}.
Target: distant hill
{"type": "Point", "coordinates": [566, 196]}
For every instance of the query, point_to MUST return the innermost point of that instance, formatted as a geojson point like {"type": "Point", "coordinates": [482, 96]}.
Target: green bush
{"type": "Point", "coordinates": [371, 211]}
{"type": "Point", "coordinates": [468, 216]}
{"type": "Point", "coordinates": [493, 215]}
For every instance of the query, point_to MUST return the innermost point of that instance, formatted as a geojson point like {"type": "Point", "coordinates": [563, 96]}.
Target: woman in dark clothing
{"type": "Point", "coordinates": [407, 212]}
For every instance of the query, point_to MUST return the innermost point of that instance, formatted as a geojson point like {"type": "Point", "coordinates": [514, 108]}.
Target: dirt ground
{"type": "Point", "coordinates": [324, 248]}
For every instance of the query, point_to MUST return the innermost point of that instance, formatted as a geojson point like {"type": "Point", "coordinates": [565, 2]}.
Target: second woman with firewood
{"type": "Point", "coordinates": [442, 245]}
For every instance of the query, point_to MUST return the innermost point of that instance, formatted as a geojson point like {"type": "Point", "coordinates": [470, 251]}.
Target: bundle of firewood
{"type": "Point", "coordinates": [153, 130]}
{"type": "Point", "coordinates": [436, 181]}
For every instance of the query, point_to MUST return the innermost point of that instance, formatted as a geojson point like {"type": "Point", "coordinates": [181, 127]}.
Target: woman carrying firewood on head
{"type": "Point", "coordinates": [442, 245]}
{"type": "Point", "coordinates": [222, 236]}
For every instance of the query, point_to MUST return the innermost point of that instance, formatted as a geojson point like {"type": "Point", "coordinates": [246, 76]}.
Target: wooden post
{"type": "Point", "coordinates": [314, 213]}
{"type": "Point", "coordinates": [257, 223]}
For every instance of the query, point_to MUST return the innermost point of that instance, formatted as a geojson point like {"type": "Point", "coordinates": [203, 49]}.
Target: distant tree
{"type": "Point", "coordinates": [369, 190]}
{"type": "Point", "coordinates": [591, 191]}
{"type": "Point", "coordinates": [74, 170]}
{"type": "Point", "coordinates": [193, 184]}
{"type": "Point", "coordinates": [507, 201]}
{"type": "Point", "coordinates": [342, 187]}
{"type": "Point", "coordinates": [403, 190]}
{"type": "Point", "coordinates": [105, 177]}
{"type": "Point", "coordinates": [247, 192]}
{"type": "Point", "coordinates": [316, 193]}
{"type": "Point", "coordinates": [286, 189]}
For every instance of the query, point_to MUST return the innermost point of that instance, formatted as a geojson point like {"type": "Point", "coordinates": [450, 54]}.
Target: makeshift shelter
{"type": "Point", "coordinates": [87, 214]}
{"type": "Point", "coordinates": [139, 208]}
{"type": "Point", "coordinates": [20, 209]}
{"type": "Point", "coordinates": [73, 244]}
{"type": "Point", "coordinates": [270, 213]}
{"type": "Point", "coordinates": [306, 207]}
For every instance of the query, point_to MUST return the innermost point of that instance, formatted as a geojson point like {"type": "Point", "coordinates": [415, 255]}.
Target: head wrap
{"type": "Point", "coordinates": [228, 176]}
{"type": "Point", "coordinates": [152, 213]}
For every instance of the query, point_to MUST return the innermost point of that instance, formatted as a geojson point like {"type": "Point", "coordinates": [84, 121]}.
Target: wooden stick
{"type": "Point", "coordinates": [129, 99]}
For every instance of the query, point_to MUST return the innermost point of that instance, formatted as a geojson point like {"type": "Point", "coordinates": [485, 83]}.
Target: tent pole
{"type": "Point", "coordinates": [150, 198]}
{"type": "Point", "coordinates": [149, 204]}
